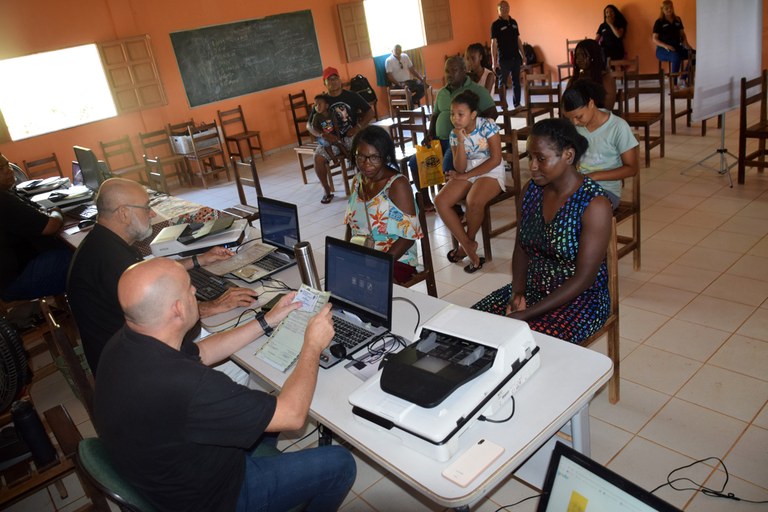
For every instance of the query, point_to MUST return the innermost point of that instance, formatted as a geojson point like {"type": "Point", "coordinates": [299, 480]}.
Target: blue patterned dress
{"type": "Point", "coordinates": [552, 249]}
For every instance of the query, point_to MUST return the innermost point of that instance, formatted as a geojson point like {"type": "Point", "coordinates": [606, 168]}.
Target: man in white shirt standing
{"type": "Point", "coordinates": [400, 73]}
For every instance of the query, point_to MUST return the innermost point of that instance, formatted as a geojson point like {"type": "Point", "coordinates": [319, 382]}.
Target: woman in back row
{"type": "Point", "coordinates": [669, 37]}
{"type": "Point", "coordinates": [610, 33]}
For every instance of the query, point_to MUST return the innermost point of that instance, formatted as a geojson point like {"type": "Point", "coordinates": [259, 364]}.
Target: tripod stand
{"type": "Point", "coordinates": [723, 152]}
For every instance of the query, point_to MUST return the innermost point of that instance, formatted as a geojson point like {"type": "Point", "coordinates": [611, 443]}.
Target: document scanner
{"type": "Point", "coordinates": [182, 239]}
{"type": "Point", "coordinates": [466, 363]}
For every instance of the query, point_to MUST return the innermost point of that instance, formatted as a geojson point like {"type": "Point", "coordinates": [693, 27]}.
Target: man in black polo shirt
{"type": "Point", "coordinates": [350, 114]}
{"type": "Point", "coordinates": [180, 432]}
{"type": "Point", "coordinates": [507, 50]}
{"type": "Point", "coordinates": [33, 262]}
{"type": "Point", "coordinates": [124, 218]}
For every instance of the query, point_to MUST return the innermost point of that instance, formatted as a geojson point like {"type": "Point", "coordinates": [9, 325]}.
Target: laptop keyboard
{"type": "Point", "coordinates": [348, 334]}
{"type": "Point", "coordinates": [209, 286]}
{"type": "Point", "coordinates": [270, 262]}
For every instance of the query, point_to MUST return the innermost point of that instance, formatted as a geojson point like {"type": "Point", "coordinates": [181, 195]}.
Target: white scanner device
{"type": "Point", "coordinates": [477, 360]}
{"type": "Point", "coordinates": [167, 243]}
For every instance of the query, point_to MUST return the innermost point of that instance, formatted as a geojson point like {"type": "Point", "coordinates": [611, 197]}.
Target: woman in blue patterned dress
{"type": "Point", "coordinates": [559, 275]}
{"type": "Point", "coordinates": [478, 176]}
{"type": "Point", "coordinates": [381, 201]}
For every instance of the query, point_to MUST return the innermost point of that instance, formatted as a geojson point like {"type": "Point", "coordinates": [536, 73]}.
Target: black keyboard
{"type": "Point", "coordinates": [209, 286]}
{"type": "Point", "coordinates": [348, 334]}
{"type": "Point", "coordinates": [270, 262]}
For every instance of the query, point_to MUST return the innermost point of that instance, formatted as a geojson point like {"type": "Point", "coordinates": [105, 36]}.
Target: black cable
{"type": "Point", "coordinates": [270, 283]}
{"type": "Point", "coordinates": [519, 502]}
{"type": "Point", "coordinates": [240, 316]}
{"type": "Point", "coordinates": [489, 420]}
{"type": "Point", "coordinates": [298, 441]}
{"type": "Point", "coordinates": [713, 493]}
{"type": "Point", "coordinates": [418, 313]}
{"type": "Point", "coordinates": [246, 243]}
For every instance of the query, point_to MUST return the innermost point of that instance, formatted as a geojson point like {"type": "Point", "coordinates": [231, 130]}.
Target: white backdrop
{"type": "Point", "coordinates": [728, 47]}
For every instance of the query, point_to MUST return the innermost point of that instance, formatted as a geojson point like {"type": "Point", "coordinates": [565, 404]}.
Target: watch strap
{"type": "Point", "coordinates": [261, 317]}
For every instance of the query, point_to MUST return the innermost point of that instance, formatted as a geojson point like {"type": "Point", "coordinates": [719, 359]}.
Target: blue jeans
{"type": "Point", "coordinates": [319, 477]}
{"type": "Point", "coordinates": [413, 165]}
{"type": "Point", "coordinates": [676, 57]}
{"type": "Point", "coordinates": [44, 275]}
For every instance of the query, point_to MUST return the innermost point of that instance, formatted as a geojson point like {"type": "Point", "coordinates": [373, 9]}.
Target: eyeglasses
{"type": "Point", "coordinates": [144, 207]}
{"type": "Point", "coordinates": [373, 159]}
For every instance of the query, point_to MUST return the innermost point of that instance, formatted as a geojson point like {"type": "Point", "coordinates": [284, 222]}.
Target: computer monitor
{"type": "Point", "coordinates": [90, 168]}
{"type": "Point", "coordinates": [576, 483]}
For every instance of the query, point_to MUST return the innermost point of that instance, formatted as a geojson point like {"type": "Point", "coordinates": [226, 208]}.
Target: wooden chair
{"type": "Point", "coordinates": [626, 209]}
{"type": "Point", "coordinates": [684, 93]}
{"type": "Point", "coordinates": [617, 68]}
{"type": "Point", "coordinates": [180, 128]}
{"type": "Point", "coordinates": [637, 85]}
{"type": "Point", "coordinates": [509, 154]}
{"type": "Point", "coordinates": [43, 167]}
{"type": "Point", "coordinates": [336, 167]}
{"type": "Point", "coordinates": [428, 272]}
{"type": "Point", "coordinates": [121, 159]}
{"type": "Point", "coordinates": [64, 333]}
{"type": "Point", "coordinates": [159, 154]}
{"type": "Point", "coordinates": [413, 122]}
{"type": "Point", "coordinates": [244, 210]}
{"type": "Point", "coordinates": [753, 91]}
{"type": "Point", "coordinates": [540, 98]}
{"type": "Point", "coordinates": [235, 120]}
{"type": "Point", "coordinates": [611, 325]}
{"type": "Point", "coordinates": [399, 99]}
{"type": "Point", "coordinates": [301, 108]}
{"type": "Point", "coordinates": [564, 69]}
{"type": "Point", "coordinates": [206, 150]}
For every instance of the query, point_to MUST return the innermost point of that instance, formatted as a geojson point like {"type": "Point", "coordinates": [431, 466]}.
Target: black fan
{"type": "Point", "coordinates": [13, 365]}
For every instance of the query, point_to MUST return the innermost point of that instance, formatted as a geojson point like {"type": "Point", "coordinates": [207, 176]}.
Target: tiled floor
{"type": "Point", "coordinates": [694, 327]}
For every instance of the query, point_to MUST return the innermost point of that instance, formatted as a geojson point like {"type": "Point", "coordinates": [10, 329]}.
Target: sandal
{"type": "Point", "coordinates": [453, 256]}
{"type": "Point", "coordinates": [471, 269]}
{"type": "Point", "coordinates": [327, 198]}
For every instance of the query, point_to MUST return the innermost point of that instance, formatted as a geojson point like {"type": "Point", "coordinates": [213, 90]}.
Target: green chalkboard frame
{"type": "Point", "coordinates": [234, 59]}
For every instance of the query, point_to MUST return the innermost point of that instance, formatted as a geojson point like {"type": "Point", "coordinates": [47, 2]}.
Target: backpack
{"type": "Point", "coordinates": [361, 86]}
{"type": "Point", "coordinates": [530, 55]}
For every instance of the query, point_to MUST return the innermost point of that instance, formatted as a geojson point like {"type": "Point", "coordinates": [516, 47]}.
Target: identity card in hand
{"type": "Point", "coordinates": [284, 346]}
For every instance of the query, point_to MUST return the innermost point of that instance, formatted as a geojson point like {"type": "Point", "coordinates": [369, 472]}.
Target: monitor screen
{"type": "Point", "coordinates": [360, 280]}
{"type": "Point", "coordinates": [89, 167]}
{"type": "Point", "coordinates": [576, 483]}
{"type": "Point", "coordinates": [279, 223]}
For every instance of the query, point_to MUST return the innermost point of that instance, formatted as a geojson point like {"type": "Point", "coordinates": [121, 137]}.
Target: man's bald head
{"type": "Point", "coordinates": [115, 192]}
{"type": "Point", "coordinates": [155, 296]}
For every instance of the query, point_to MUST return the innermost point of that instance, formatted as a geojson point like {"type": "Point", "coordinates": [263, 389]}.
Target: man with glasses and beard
{"type": "Point", "coordinates": [125, 217]}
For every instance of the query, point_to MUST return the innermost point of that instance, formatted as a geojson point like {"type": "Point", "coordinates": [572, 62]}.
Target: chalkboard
{"type": "Point", "coordinates": [225, 61]}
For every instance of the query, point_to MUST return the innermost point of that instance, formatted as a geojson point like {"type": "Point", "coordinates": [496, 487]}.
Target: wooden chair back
{"type": "Point", "coordinates": [121, 158]}
{"type": "Point", "coordinates": [541, 96]}
{"type": "Point", "coordinates": [617, 68]}
{"type": "Point", "coordinates": [158, 154]}
{"type": "Point", "coordinates": [428, 271]}
{"type": "Point", "coordinates": [43, 167]}
{"type": "Point", "coordinates": [753, 91]}
{"type": "Point", "coordinates": [180, 128]}
{"type": "Point", "coordinates": [565, 68]}
{"type": "Point", "coordinates": [301, 109]}
{"type": "Point", "coordinates": [399, 99]}
{"type": "Point", "coordinates": [630, 208]}
{"type": "Point", "coordinates": [232, 121]}
{"type": "Point", "coordinates": [637, 85]}
{"type": "Point", "coordinates": [415, 123]}
{"type": "Point", "coordinates": [611, 325]}
{"type": "Point", "coordinates": [238, 139]}
{"type": "Point", "coordinates": [245, 173]}
{"type": "Point", "coordinates": [207, 152]}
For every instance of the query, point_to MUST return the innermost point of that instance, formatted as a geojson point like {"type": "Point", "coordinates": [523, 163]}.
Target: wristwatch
{"type": "Point", "coordinates": [195, 263]}
{"type": "Point", "coordinates": [261, 317]}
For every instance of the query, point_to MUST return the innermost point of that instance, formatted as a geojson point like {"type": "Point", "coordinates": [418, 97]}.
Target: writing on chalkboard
{"type": "Point", "coordinates": [234, 59]}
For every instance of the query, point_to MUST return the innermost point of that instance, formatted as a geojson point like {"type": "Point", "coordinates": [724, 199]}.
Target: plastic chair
{"type": "Point", "coordinates": [43, 167]}
{"type": "Point", "coordinates": [95, 463]}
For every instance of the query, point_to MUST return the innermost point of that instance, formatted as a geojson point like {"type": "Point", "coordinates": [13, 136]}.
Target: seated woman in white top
{"type": "Point", "coordinates": [478, 67]}
{"type": "Point", "coordinates": [613, 150]}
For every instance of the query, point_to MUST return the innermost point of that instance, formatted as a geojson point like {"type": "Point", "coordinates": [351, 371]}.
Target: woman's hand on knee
{"type": "Point", "coordinates": [516, 303]}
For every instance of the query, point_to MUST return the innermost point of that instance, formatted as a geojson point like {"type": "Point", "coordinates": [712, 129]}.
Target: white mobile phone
{"type": "Point", "coordinates": [472, 462]}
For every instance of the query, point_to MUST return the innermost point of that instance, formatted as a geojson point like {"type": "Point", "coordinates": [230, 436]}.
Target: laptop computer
{"type": "Point", "coordinates": [279, 223]}
{"type": "Point", "coordinates": [576, 482]}
{"type": "Point", "coordinates": [360, 282]}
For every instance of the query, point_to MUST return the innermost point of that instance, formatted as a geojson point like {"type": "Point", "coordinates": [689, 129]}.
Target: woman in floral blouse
{"type": "Point", "coordinates": [381, 203]}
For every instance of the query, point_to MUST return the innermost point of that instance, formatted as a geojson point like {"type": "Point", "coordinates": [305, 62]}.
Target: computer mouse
{"type": "Point", "coordinates": [86, 223]}
{"type": "Point", "coordinates": [338, 351]}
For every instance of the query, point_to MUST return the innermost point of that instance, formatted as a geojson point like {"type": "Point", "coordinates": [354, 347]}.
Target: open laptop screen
{"type": "Point", "coordinates": [360, 280]}
{"type": "Point", "coordinates": [576, 483]}
{"type": "Point", "coordinates": [279, 223]}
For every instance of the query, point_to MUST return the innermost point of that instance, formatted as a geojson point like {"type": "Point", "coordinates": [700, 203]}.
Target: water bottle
{"type": "Point", "coordinates": [305, 260]}
{"type": "Point", "coordinates": [31, 430]}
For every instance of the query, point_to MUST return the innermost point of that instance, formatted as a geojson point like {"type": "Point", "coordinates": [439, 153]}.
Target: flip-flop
{"type": "Point", "coordinates": [327, 198]}
{"type": "Point", "coordinates": [471, 269]}
{"type": "Point", "coordinates": [453, 257]}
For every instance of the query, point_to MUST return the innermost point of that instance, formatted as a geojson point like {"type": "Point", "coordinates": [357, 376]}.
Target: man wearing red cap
{"type": "Point", "coordinates": [350, 114]}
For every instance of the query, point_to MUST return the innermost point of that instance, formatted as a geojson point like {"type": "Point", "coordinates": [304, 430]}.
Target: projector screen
{"type": "Point", "coordinates": [728, 47]}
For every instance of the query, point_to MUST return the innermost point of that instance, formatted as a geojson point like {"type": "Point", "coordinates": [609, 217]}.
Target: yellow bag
{"type": "Point", "coordinates": [430, 160]}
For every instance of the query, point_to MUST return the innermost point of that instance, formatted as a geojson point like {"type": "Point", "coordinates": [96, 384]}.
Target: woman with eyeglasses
{"type": "Point", "coordinates": [380, 206]}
